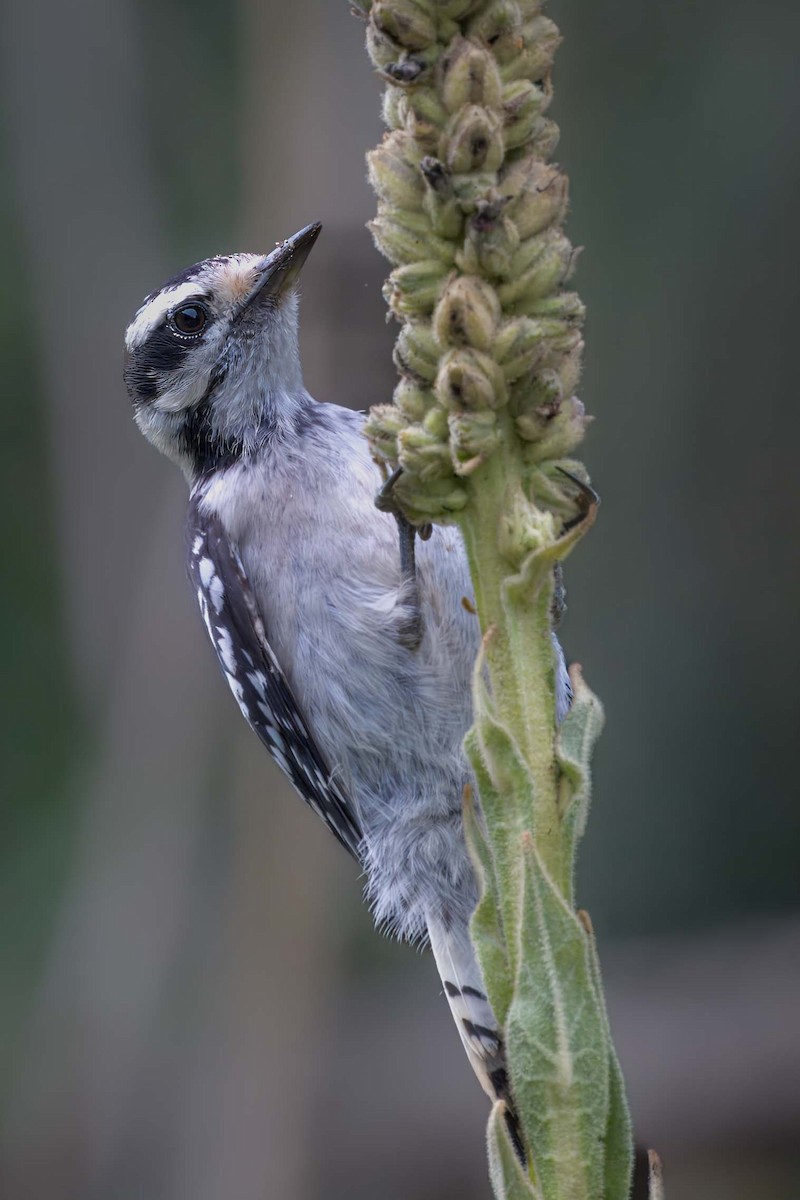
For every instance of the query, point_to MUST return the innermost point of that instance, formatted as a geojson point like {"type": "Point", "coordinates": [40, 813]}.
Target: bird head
{"type": "Point", "coordinates": [211, 359]}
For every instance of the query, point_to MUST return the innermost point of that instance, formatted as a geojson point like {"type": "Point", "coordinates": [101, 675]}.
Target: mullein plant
{"type": "Point", "coordinates": [481, 433]}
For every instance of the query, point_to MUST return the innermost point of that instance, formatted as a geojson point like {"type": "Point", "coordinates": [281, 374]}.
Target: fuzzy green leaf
{"type": "Point", "coordinates": [557, 1043]}
{"type": "Point", "coordinates": [486, 925]}
{"type": "Point", "coordinates": [575, 744]}
{"type": "Point", "coordinates": [509, 1179]}
{"type": "Point", "coordinates": [618, 1134]}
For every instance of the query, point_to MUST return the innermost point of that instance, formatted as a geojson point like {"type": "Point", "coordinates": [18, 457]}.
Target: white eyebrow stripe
{"type": "Point", "coordinates": [152, 314]}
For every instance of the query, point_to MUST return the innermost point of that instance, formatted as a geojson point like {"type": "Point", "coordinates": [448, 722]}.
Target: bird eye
{"type": "Point", "coordinates": [189, 319]}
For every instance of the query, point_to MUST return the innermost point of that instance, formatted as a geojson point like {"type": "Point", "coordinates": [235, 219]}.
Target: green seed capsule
{"type": "Point", "coordinates": [416, 351]}
{"type": "Point", "coordinates": [548, 272]}
{"type": "Point", "coordinates": [491, 244]}
{"type": "Point", "coordinates": [471, 77]}
{"type": "Point", "coordinates": [539, 195]}
{"type": "Point", "coordinates": [412, 400]}
{"type": "Point", "coordinates": [382, 426]}
{"type": "Point", "coordinates": [467, 314]}
{"type": "Point", "coordinates": [415, 288]}
{"type": "Point", "coordinates": [473, 437]}
{"type": "Point", "coordinates": [394, 179]}
{"type": "Point", "coordinates": [468, 380]}
{"type": "Point", "coordinates": [523, 104]}
{"type": "Point", "coordinates": [540, 40]}
{"type": "Point", "coordinates": [405, 21]}
{"type": "Point", "coordinates": [423, 454]}
{"type": "Point", "coordinates": [473, 140]}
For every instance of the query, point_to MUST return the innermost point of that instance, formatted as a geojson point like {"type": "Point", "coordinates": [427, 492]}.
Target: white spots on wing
{"type": "Point", "coordinates": [197, 544]}
{"type": "Point", "coordinates": [238, 691]}
{"type": "Point", "coordinates": [216, 591]}
{"type": "Point", "coordinates": [206, 568]}
{"type": "Point", "coordinates": [259, 681]}
{"type": "Point", "coordinates": [226, 651]}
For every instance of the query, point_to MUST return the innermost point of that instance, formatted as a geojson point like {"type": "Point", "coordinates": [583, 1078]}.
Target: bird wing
{"type": "Point", "coordinates": [236, 628]}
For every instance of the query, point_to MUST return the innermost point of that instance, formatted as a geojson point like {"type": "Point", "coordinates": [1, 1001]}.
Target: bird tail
{"type": "Point", "coordinates": [477, 1025]}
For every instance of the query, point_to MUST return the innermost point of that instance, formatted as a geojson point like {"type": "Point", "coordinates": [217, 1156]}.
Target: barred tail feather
{"type": "Point", "coordinates": [476, 1023]}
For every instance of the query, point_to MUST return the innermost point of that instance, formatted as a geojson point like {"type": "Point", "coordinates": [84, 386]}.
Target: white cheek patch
{"type": "Point", "coordinates": [152, 314]}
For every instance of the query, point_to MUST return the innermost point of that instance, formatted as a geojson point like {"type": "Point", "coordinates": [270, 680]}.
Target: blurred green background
{"type": "Point", "coordinates": [192, 1001]}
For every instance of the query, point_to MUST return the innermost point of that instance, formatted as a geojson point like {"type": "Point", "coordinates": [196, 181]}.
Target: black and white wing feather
{"type": "Point", "coordinates": [237, 632]}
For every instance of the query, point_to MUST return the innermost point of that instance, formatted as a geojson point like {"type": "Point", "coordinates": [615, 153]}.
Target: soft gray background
{"type": "Point", "coordinates": [192, 1002]}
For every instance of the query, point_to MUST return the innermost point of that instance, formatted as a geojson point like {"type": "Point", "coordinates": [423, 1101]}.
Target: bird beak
{"type": "Point", "coordinates": [281, 268]}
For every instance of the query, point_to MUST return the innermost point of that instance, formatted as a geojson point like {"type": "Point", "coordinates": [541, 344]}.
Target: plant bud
{"type": "Point", "coordinates": [534, 58]}
{"type": "Point", "coordinates": [384, 422]}
{"type": "Point", "coordinates": [468, 380]}
{"type": "Point", "coordinates": [437, 501]}
{"type": "Point", "coordinates": [471, 190]}
{"type": "Point", "coordinates": [518, 347]}
{"type": "Point", "coordinates": [423, 454]}
{"type": "Point", "coordinates": [405, 21]}
{"type": "Point", "coordinates": [439, 202]}
{"type": "Point", "coordinates": [473, 437]}
{"type": "Point", "coordinates": [467, 314]}
{"type": "Point", "coordinates": [500, 25]}
{"type": "Point", "coordinates": [473, 140]}
{"type": "Point", "coordinates": [492, 242]}
{"type": "Point", "coordinates": [557, 437]}
{"type": "Point", "coordinates": [456, 10]}
{"type": "Point", "coordinates": [550, 269]}
{"type": "Point", "coordinates": [523, 104]}
{"type": "Point", "coordinates": [422, 115]}
{"type": "Point", "coordinates": [412, 400]}
{"type": "Point", "coordinates": [394, 179]}
{"type": "Point", "coordinates": [567, 306]}
{"type": "Point", "coordinates": [416, 351]}
{"type": "Point", "coordinates": [403, 240]}
{"type": "Point", "coordinates": [381, 48]}
{"type": "Point", "coordinates": [523, 527]}
{"type": "Point", "coordinates": [540, 393]}
{"type": "Point", "coordinates": [539, 195]}
{"type": "Point", "coordinates": [544, 138]}
{"type": "Point", "coordinates": [415, 288]}
{"type": "Point", "coordinates": [471, 77]}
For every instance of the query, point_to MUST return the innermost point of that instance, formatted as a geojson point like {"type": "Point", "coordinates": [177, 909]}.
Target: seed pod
{"type": "Point", "coordinates": [519, 346]}
{"type": "Point", "coordinates": [541, 392]}
{"type": "Point", "coordinates": [523, 528]}
{"type": "Point", "coordinates": [467, 314]}
{"type": "Point", "coordinates": [523, 104]}
{"type": "Point", "coordinates": [438, 500]}
{"type": "Point", "coordinates": [544, 138]}
{"type": "Point", "coordinates": [468, 380]}
{"type": "Point", "coordinates": [500, 25]}
{"type": "Point", "coordinates": [382, 48]}
{"type": "Point", "coordinates": [456, 10]}
{"type": "Point", "coordinates": [405, 21]}
{"type": "Point", "coordinates": [423, 454]}
{"type": "Point", "coordinates": [472, 190]}
{"type": "Point", "coordinates": [422, 116]}
{"type": "Point", "coordinates": [473, 140]}
{"type": "Point", "coordinates": [395, 180]}
{"type": "Point", "coordinates": [416, 352]}
{"type": "Point", "coordinates": [406, 240]}
{"type": "Point", "coordinates": [412, 400]}
{"type": "Point", "coordinates": [557, 437]}
{"type": "Point", "coordinates": [415, 288]}
{"type": "Point", "coordinates": [492, 242]}
{"type": "Point", "coordinates": [384, 422]}
{"type": "Point", "coordinates": [566, 306]}
{"type": "Point", "coordinates": [539, 195]}
{"type": "Point", "coordinates": [471, 77]}
{"type": "Point", "coordinates": [473, 437]}
{"type": "Point", "coordinates": [549, 271]}
{"type": "Point", "coordinates": [540, 39]}
{"type": "Point", "coordinates": [439, 201]}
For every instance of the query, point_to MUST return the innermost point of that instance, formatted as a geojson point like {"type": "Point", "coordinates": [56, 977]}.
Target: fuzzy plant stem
{"type": "Point", "coordinates": [481, 433]}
